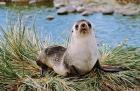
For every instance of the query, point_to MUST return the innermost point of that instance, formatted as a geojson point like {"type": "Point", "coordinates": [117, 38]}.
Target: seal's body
{"type": "Point", "coordinates": [82, 53]}
{"type": "Point", "coordinates": [51, 57]}
{"type": "Point", "coordinates": [78, 58]}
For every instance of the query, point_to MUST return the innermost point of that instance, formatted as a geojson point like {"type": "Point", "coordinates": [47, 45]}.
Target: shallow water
{"type": "Point", "coordinates": [110, 29]}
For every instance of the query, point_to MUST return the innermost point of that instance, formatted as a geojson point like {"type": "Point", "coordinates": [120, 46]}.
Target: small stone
{"type": "Point", "coordinates": [32, 1]}
{"type": "Point", "coordinates": [49, 17]}
{"type": "Point", "coordinates": [80, 9]}
{"type": "Point", "coordinates": [108, 13]}
{"type": "Point", "coordinates": [87, 12]}
{"type": "Point", "coordinates": [62, 11]}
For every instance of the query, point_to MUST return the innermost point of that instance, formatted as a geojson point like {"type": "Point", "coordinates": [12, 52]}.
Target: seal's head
{"type": "Point", "coordinates": [82, 28]}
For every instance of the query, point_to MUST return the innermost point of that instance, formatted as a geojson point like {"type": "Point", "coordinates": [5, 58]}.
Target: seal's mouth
{"type": "Point", "coordinates": [83, 31]}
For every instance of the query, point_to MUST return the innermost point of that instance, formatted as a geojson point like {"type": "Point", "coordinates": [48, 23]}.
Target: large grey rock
{"type": "Point", "coordinates": [20, 1]}
{"type": "Point", "coordinates": [87, 12]}
{"type": "Point", "coordinates": [41, 2]}
{"type": "Point", "coordinates": [57, 6]}
{"type": "Point", "coordinates": [62, 11]}
{"type": "Point", "coordinates": [105, 9]}
{"type": "Point", "coordinates": [70, 8]}
{"type": "Point", "coordinates": [60, 3]}
{"type": "Point", "coordinates": [130, 13]}
{"type": "Point", "coordinates": [108, 11]}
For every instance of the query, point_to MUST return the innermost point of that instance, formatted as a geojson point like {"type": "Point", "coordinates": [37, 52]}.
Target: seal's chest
{"type": "Point", "coordinates": [81, 57]}
{"type": "Point", "coordinates": [82, 53]}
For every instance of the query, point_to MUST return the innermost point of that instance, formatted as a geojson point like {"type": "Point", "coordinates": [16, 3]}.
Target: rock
{"type": "Point", "coordinates": [32, 1]}
{"type": "Point", "coordinates": [76, 2]}
{"type": "Point", "coordinates": [108, 12]}
{"type": "Point", "coordinates": [71, 9]}
{"type": "Point", "coordinates": [87, 13]}
{"type": "Point", "coordinates": [80, 9]}
{"type": "Point", "coordinates": [66, 10]}
{"type": "Point", "coordinates": [105, 9]}
{"type": "Point", "coordinates": [20, 1]}
{"type": "Point", "coordinates": [132, 13]}
{"type": "Point", "coordinates": [49, 3]}
{"type": "Point", "coordinates": [2, 3]}
{"type": "Point", "coordinates": [62, 11]}
{"type": "Point", "coordinates": [60, 3]}
{"type": "Point", "coordinates": [49, 17]}
{"type": "Point", "coordinates": [57, 6]}
{"type": "Point", "coordinates": [128, 10]}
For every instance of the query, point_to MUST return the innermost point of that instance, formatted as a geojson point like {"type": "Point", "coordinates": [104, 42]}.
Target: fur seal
{"type": "Point", "coordinates": [79, 58]}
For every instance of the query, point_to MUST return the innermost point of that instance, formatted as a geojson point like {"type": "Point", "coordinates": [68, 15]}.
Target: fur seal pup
{"type": "Point", "coordinates": [79, 58]}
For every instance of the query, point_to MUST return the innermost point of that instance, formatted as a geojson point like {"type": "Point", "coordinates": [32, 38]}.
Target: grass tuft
{"type": "Point", "coordinates": [19, 72]}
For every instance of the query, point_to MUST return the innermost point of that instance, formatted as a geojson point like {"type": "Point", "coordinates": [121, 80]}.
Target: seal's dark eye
{"type": "Point", "coordinates": [89, 25]}
{"type": "Point", "coordinates": [76, 27]}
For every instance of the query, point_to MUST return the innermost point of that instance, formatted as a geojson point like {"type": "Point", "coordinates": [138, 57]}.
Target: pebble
{"type": "Point", "coordinates": [49, 17]}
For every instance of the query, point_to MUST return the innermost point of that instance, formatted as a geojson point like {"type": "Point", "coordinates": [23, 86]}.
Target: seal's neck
{"type": "Point", "coordinates": [80, 41]}
{"type": "Point", "coordinates": [82, 44]}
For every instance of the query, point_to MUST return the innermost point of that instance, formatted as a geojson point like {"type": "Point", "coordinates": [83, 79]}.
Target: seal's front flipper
{"type": "Point", "coordinates": [74, 72]}
{"type": "Point", "coordinates": [43, 72]}
{"type": "Point", "coordinates": [43, 68]}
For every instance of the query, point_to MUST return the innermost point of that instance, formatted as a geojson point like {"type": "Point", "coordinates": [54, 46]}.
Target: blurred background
{"type": "Point", "coordinates": [114, 21]}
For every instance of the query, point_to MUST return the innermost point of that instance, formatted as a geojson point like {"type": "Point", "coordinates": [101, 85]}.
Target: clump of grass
{"type": "Point", "coordinates": [18, 48]}
{"type": "Point", "coordinates": [19, 72]}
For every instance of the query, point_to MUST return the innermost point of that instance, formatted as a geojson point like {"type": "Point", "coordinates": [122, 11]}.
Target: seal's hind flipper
{"type": "Point", "coordinates": [43, 72]}
{"type": "Point", "coordinates": [111, 69]}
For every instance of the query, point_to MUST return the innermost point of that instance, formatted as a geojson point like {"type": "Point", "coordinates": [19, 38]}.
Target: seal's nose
{"type": "Point", "coordinates": [83, 25]}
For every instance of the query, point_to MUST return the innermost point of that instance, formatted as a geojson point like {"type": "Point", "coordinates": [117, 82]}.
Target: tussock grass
{"type": "Point", "coordinates": [19, 72]}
